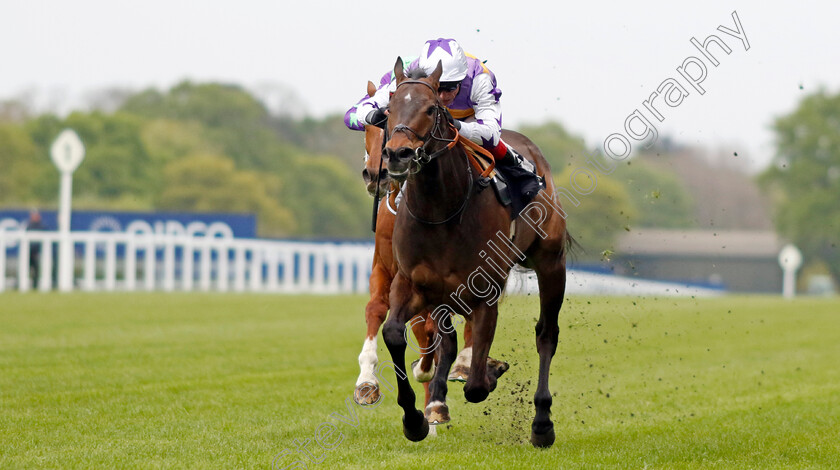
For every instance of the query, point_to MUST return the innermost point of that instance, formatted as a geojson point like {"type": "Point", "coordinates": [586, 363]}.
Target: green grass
{"type": "Point", "coordinates": [229, 381]}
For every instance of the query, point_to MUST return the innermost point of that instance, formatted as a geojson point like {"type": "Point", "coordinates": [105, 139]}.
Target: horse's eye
{"type": "Point", "coordinates": [431, 110]}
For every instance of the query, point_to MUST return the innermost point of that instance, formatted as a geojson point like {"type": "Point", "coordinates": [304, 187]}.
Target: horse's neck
{"type": "Point", "coordinates": [440, 187]}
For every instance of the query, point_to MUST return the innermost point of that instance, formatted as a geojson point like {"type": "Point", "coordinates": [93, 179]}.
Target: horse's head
{"type": "Point", "coordinates": [374, 173]}
{"type": "Point", "coordinates": [414, 115]}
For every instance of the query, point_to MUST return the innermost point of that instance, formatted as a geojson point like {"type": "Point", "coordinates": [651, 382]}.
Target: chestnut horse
{"type": "Point", "coordinates": [382, 273]}
{"type": "Point", "coordinates": [452, 239]}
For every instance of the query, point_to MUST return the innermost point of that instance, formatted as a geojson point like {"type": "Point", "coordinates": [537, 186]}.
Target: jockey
{"type": "Point", "coordinates": [468, 91]}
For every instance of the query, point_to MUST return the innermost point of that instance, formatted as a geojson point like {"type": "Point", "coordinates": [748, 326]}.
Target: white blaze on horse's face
{"type": "Point", "coordinates": [407, 97]}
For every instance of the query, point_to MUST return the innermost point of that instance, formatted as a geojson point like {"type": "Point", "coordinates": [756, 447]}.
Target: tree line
{"type": "Point", "coordinates": [216, 147]}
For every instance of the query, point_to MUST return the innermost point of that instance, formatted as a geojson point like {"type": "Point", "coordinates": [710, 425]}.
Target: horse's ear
{"type": "Point", "coordinates": [398, 70]}
{"type": "Point", "coordinates": [371, 89]}
{"type": "Point", "coordinates": [435, 76]}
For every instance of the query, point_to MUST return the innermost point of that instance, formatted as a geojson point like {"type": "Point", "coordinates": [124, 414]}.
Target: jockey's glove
{"type": "Point", "coordinates": [451, 120]}
{"type": "Point", "coordinates": [378, 118]}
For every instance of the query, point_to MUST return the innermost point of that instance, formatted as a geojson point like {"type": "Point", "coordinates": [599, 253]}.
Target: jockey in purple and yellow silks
{"type": "Point", "coordinates": [469, 92]}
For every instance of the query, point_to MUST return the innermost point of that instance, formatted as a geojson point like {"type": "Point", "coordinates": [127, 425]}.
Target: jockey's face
{"type": "Point", "coordinates": [447, 95]}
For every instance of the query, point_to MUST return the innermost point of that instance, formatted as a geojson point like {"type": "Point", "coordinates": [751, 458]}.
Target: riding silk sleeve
{"type": "Point", "coordinates": [379, 100]}
{"type": "Point", "coordinates": [486, 130]}
{"type": "Point", "coordinates": [356, 117]}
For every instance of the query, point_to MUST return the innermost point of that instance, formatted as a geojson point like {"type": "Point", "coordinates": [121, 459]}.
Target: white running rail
{"type": "Point", "coordinates": [119, 261]}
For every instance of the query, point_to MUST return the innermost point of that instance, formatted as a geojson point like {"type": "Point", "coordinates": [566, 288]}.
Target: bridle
{"type": "Point", "coordinates": [422, 156]}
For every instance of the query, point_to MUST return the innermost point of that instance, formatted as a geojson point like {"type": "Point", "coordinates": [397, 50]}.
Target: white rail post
{"type": "Point", "coordinates": [130, 264]}
{"type": "Point", "coordinates": [67, 153]}
{"type": "Point", "coordinates": [110, 264]}
{"type": "Point", "coordinates": [288, 259]}
{"type": "Point", "coordinates": [239, 269]}
{"type": "Point", "coordinates": [150, 262]}
{"type": "Point", "coordinates": [2, 262]}
{"type": "Point", "coordinates": [188, 264]}
{"type": "Point", "coordinates": [205, 268]}
{"type": "Point", "coordinates": [222, 270]}
{"type": "Point", "coordinates": [255, 282]}
{"type": "Point", "coordinates": [23, 262]}
{"type": "Point", "coordinates": [89, 283]}
{"type": "Point", "coordinates": [169, 262]}
{"type": "Point", "coordinates": [45, 278]}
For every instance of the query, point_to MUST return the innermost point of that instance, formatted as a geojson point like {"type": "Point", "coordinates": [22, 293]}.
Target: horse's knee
{"type": "Point", "coordinates": [393, 334]}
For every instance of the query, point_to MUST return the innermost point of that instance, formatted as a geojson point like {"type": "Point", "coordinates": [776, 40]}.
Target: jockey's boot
{"type": "Point", "coordinates": [521, 175]}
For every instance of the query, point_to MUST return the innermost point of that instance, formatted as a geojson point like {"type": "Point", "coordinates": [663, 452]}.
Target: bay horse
{"type": "Point", "coordinates": [378, 184]}
{"type": "Point", "coordinates": [452, 237]}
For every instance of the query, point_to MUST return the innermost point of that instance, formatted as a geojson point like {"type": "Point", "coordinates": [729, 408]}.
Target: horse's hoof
{"type": "Point", "coordinates": [420, 375]}
{"type": "Point", "coordinates": [476, 394]}
{"type": "Point", "coordinates": [496, 367]}
{"type": "Point", "coordinates": [459, 373]}
{"type": "Point", "coordinates": [437, 413]}
{"type": "Point", "coordinates": [419, 432]}
{"type": "Point", "coordinates": [543, 440]}
{"type": "Point", "coordinates": [367, 394]}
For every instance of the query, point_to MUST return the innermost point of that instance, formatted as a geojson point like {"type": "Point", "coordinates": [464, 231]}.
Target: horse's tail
{"type": "Point", "coordinates": [572, 246]}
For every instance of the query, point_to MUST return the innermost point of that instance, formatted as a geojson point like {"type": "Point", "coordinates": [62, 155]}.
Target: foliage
{"type": "Point", "coordinates": [233, 120]}
{"type": "Point", "coordinates": [215, 147]}
{"type": "Point", "coordinates": [203, 183]}
{"type": "Point", "coordinates": [21, 164]}
{"type": "Point", "coordinates": [337, 205]}
{"type": "Point", "coordinates": [805, 178]}
{"type": "Point", "coordinates": [659, 198]}
{"type": "Point", "coordinates": [328, 136]}
{"type": "Point", "coordinates": [558, 145]}
{"type": "Point", "coordinates": [116, 162]}
{"type": "Point", "coordinates": [601, 216]}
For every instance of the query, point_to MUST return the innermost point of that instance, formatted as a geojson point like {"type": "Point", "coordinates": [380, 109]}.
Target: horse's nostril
{"type": "Point", "coordinates": [366, 175]}
{"type": "Point", "coordinates": [405, 153]}
{"type": "Point", "coordinates": [383, 174]}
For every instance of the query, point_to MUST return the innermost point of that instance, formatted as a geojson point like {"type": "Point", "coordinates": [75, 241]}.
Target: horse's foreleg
{"type": "Point", "coordinates": [461, 368]}
{"type": "Point", "coordinates": [423, 368]}
{"type": "Point", "coordinates": [552, 282]}
{"type": "Point", "coordinates": [415, 426]}
{"type": "Point", "coordinates": [436, 410]}
{"type": "Point", "coordinates": [367, 386]}
{"type": "Point", "coordinates": [482, 379]}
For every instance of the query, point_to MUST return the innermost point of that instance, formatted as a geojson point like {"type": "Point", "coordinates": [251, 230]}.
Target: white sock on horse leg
{"type": "Point", "coordinates": [464, 358]}
{"type": "Point", "coordinates": [367, 362]}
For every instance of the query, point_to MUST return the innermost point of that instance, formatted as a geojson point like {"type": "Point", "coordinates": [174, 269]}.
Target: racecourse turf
{"type": "Point", "coordinates": [231, 381]}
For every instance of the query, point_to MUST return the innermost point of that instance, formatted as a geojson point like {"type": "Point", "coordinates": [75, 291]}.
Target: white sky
{"type": "Point", "coordinates": [586, 64]}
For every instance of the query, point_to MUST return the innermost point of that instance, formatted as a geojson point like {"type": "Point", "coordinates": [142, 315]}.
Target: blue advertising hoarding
{"type": "Point", "coordinates": [220, 225]}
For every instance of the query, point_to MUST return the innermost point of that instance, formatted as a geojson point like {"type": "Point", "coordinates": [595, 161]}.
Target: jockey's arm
{"type": "Point", "coordinates": [487, 126]}
{"type": "Point", "coordinates": [379, 100]}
